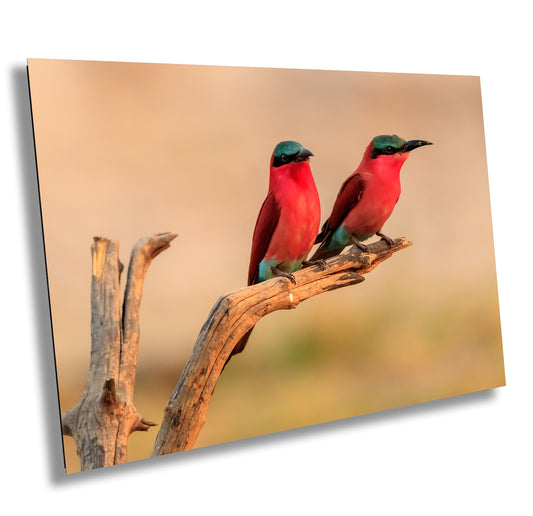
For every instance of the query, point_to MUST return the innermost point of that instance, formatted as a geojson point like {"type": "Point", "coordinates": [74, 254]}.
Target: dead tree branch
{"type": "Point", "coordinates": [232, 316]}
{"type": "Point", "coordinates": [105, 415]}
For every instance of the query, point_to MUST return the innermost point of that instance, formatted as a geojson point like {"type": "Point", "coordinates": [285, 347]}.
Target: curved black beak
{"type": "Point", "coordinates": [303, 155]}
{"type": "Point", "coordinates": [414, 144]}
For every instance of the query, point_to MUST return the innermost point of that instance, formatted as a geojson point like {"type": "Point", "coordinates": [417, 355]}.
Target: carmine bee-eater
{"type": "Point", "coordinates": [288, 221]}
{"type": "Point", "coordinates": [366, 199]}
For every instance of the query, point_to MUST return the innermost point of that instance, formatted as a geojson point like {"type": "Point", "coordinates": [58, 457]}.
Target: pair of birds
{"type": "Point", "coordinates": [288, 223]}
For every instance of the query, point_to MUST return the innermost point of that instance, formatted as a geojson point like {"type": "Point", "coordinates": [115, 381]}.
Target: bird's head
{"type": "Point", "coordinates": [390, 144]}
{"type": "Point", "coordinates": [289, 152]}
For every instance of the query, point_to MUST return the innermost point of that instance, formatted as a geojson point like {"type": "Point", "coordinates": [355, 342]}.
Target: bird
{"type": "Point", "coordinates": [288, 221]}
{"type": "Point", "coordinates": [367, 198]}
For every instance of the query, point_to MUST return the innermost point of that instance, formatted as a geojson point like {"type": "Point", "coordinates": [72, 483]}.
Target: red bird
{"type": "Point", "coordinates": [289, 219]}
{"type": "Point", "coordinates": [366, 199]}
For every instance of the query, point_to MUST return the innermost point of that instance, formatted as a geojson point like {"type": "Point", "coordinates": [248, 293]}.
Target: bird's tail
{"type": "Point", "coordinates": [320, 237]}
{"type": "Point", "coordinates": [324, 251]}
{"type": "Point", "coordinates": [240, 345]}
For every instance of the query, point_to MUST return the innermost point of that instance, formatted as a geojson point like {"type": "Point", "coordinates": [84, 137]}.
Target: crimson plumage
{"type": "Point", "coordinates": [288, 221]}
{"type": "Point", "coordinates": [368, 197]}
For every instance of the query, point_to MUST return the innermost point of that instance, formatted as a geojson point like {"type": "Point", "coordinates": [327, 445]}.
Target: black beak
{"type": "Point", "coordinates": [303, 155]}
{"type": "Point", "coordinates": [414, 144]}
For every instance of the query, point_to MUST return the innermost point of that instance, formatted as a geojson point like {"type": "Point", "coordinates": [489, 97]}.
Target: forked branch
{"type": "Point", "coordinates": [236, 313]}
{"type": "Point", "coordinates": [105, 415]}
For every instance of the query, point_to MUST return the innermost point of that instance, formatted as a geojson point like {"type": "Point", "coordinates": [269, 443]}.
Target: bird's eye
{"type": "Point", "coordinates": [389, 149]}
{"type": "Point", "coordinates": [284, 158]}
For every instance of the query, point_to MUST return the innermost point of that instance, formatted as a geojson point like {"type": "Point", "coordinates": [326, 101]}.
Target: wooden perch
{"type": "Point", "coordinates": [232, 316]}
{"type": "Point", "coordinates": [105, 415]}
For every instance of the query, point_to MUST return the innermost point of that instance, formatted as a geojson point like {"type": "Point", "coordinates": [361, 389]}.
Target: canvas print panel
{"type": "Point", "coordinates": [127, 150]}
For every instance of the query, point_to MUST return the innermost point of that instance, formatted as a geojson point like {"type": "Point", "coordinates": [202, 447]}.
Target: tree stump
{"type": "Point", "coordinates": [105, 415]}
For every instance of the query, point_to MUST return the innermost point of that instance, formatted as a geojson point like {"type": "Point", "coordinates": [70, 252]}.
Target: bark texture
{"type": "Point", "coordinates": [105, 415]}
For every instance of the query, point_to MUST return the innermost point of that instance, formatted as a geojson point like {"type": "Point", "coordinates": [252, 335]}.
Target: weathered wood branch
{"type": "Point", "coordinates": [105, 415]}
{"type": "Point", "coordinates": [232, 316]}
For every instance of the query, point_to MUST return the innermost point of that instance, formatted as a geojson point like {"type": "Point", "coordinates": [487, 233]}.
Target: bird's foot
{"type": "Point", "coordinates": [360, 245]}
{"type": "Point", "coordinates": [387, 239]}
{"type": "Point", "coordinates": [283, 274]}
{"type": "Point", "coordinates": [320, 263]}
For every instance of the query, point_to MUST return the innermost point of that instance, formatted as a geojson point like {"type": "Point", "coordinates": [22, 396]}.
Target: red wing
{"type": "Point", "coordinates": [267, 221]}
{"type": "Point", "coordinates": [349, 195]}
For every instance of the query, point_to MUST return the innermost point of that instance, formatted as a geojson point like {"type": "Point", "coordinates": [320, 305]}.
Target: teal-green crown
{"type": "Point", "coordinates": [386, 144]}
{"type": "Point", "coordinates": [380, 143]}
{"type": "Point", "coordinates": [288, 152]}
{"type": "Point", "coordinates": [289, 148]}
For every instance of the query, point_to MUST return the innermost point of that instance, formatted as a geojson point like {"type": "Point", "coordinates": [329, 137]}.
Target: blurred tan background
{"type": "Point", "coordinates": [127, 150]}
